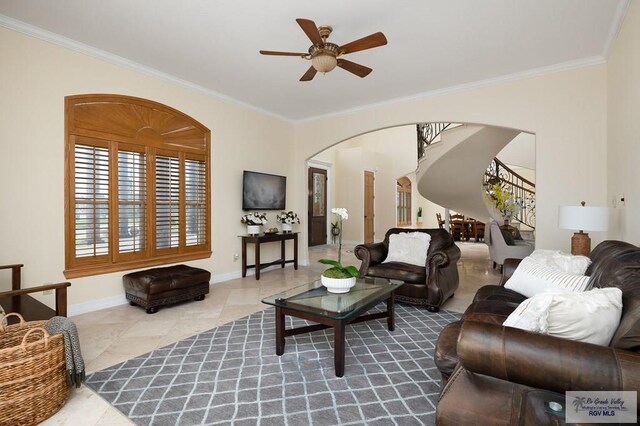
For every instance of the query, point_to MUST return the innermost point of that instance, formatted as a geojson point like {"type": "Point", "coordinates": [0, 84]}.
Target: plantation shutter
{"type": "Point", "coordinates": [91, 201]}
{"type": "Point", "coordinates": [195, 175]}
{"type": "Point", "coordinates": [167, 199]}
{"type": "Point", "coordinates": [137, 179]}
{"type": "Point", "coordinates": [132, 201]}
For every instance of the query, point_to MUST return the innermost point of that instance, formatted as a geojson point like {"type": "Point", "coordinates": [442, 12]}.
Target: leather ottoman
{"type": "Point", "coordinates": [162, 286]}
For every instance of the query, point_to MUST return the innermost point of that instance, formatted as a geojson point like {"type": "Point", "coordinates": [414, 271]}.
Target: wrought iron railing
{"type": "Point", "coordinates": [522, 190]}
{"type": "Point", "coordinates": [428, 133]}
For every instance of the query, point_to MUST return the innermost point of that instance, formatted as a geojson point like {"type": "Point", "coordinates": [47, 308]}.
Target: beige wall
{"type": "Point", "coordinates": [429, 209]}
{"type": "Point", "coordinates": [391, 153]}
{"type": "Point", "coordinates": [520, 152]}
{"type": "Point", "coordinates": [35, 76]}
{"type": "Point", "coordinates": [350, 165]}
{"type": "Point", "coordinates": [565, 110]}
{"type": "Point", "coordinates": [623, 108]}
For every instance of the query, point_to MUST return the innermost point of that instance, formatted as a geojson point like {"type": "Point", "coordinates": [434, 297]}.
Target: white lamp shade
{"type": "Point", "coordinates": [583, 218]}
{"type": "Point", "coordinates": [323, 62]}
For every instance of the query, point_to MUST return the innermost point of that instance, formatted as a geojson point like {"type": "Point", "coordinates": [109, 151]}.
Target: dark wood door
{"type": "Point", "coordinates": [317, 206]}
{"type": "Point", "coordinates": [369, 212]}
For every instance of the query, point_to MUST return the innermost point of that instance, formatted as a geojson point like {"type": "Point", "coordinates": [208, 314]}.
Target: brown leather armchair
{"type": "Point", "coordinates": [431, 284]}
{"type": "Point", "coordinates": [501, 376]}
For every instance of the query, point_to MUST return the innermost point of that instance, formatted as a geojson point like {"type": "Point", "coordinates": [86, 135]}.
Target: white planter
{"type": "Point", "coordinates": [253, 229]}
{"type": "Point", "coordinates": [287, 227]}
{"type": "Point", "coordinates": [338, 285]}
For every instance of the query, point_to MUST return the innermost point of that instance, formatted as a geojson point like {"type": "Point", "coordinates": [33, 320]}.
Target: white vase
{"type": "Point", "coordinates": [253, 229]}
{"type": "Point", "coordinates": [338, 285]}
{"type": "Point", "coordinates": [287, 227]}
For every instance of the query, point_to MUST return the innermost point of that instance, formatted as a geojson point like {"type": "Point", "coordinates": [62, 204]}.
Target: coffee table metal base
{"type": "Point", "coordinates": [324, 322]}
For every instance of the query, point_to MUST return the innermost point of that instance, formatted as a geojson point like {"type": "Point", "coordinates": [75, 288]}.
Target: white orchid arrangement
{"type": "Point", "coordinates": [342, 214]}
{"type": "Point", "coordinates": [338, 270]}
{"type": "Point", "coordinates": [289, 217]}
{"type": "Point", "coordinates": [255, 218]}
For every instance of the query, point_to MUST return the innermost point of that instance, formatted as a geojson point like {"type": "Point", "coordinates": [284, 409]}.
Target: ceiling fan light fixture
{"type": "Point", "coordinates": [324, 62]}
{"type": "Point", "coordinates": [324, 58]}
{"type": "Point", "coordinates": [324, 54]}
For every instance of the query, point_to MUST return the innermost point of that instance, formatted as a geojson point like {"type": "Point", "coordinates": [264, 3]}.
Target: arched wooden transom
{"type": "Point", "coordinates": [137, 179]}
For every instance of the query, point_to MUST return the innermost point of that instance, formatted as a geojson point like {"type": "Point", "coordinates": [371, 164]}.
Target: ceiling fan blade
{"type": "Point", "coordinates": [364, 43]}
{"type": "Point", "coordinates": [357, 69]}
{"type": "Point", "coordinates": [311, 30]}
{"type": "Point", "coordinates": [276, 53]}
{"type": "Point", "coordinates": [308, 76]}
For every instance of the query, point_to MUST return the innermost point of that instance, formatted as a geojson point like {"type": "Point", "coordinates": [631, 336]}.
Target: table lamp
{"type": "Point", "coordinates": [582, 218]}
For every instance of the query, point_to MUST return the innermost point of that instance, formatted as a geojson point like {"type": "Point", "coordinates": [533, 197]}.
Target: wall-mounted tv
{"type": "Point", "coordinates": [262, 191]}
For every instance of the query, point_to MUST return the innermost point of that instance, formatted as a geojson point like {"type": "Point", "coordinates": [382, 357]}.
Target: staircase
{"type": "Point", "coordinates": [523, 190]}
{"type": "Point", "coordinates": [452, 169]}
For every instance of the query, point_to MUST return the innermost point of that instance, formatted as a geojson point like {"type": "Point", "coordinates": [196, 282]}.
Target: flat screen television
{"type": "Point", "coordinates": [262, 191]}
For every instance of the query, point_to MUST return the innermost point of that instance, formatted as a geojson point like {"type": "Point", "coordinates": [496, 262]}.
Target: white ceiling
{"type": "Point", "coordinates": [434, 45]}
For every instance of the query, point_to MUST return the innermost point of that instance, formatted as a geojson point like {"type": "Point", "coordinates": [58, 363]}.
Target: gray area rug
{"type": "Point", "coordinates": [230, 375]}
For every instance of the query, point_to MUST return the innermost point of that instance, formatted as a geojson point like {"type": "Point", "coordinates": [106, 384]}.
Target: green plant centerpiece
{"type": "Point", "coordinates": [338, 270]}
{"type": "Point", "coordinates": [339, 278]}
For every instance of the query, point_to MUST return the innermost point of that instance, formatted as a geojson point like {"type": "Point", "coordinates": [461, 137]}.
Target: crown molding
{"type": "Point", "coordinates": [85, 49]}
{"type": "Point", "coordinates": [39, 33]}
{"type": "Point", "coordinates": [536, 72]}
{"type": "Point", "coordinates": [616, 26]}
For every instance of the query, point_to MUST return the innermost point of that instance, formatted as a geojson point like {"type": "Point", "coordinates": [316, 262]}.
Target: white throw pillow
{"type": "Point", "coordinates": [590, 316]}
{"type": "Point", "coordinates": [532, 277]}
{"type": "Point", "coordinates": [564, 262]}
{"type": "Point", "coordinates": [408, 247]}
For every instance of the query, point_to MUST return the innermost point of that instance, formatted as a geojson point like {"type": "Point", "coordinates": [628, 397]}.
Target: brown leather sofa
{"type": "Point", "coordinates": [495, 375]}
{"type": "Point", "coordinates": [431, 284]}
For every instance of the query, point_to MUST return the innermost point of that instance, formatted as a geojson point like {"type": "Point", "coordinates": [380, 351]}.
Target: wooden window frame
{"type": "Point", "coordinates": [137, 125]}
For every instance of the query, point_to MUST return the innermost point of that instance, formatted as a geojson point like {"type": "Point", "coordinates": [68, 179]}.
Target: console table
{"type": "Point", "coordinates": [268, 238]}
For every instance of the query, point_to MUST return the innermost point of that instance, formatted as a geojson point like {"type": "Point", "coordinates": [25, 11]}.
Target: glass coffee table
{"type": "Point", "coordinates": [330, 310]}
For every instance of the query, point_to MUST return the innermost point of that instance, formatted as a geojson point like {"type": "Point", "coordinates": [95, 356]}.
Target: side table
{"type": "Point", "coordinates": [268, 238]}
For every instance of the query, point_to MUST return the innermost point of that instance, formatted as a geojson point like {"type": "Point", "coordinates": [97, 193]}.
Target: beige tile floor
{"type": "Point", "coordinates": [116, 334]}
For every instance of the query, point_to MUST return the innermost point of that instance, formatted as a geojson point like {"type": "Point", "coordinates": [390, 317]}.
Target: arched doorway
{"type": "Point", "coordinates": [391, 152]}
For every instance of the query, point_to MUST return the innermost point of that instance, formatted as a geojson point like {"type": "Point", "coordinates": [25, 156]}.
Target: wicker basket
{"type": "Point", "coordinates": [32, 373]}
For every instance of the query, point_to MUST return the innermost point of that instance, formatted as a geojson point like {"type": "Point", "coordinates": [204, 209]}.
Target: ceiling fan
{"type": "Point", "coordinates": [325, 56]}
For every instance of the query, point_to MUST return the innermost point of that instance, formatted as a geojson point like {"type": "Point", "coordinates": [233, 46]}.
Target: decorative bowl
{"type": "Point", "coordinates": [338, 285]}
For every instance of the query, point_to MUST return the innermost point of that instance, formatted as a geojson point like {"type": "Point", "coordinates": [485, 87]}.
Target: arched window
{"type": "Point", "coordinates": [403, 201]}
{"type": "Point", "coordinates": [136, 185]}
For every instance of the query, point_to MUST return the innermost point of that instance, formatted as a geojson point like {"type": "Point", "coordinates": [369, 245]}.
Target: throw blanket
{"type": "Point", "coordinates": [73, 356]}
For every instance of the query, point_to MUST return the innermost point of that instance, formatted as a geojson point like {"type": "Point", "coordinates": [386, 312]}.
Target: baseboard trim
{"type": "Point", "coordinates": [110, 302]}
{"type": "Point", "coordinates": [96, 305]}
